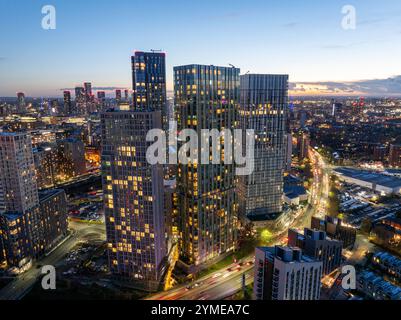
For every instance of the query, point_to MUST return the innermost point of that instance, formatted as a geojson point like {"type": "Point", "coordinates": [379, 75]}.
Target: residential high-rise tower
{"type": "Point", "coordinates": [263, 105]}
{"type": "Point", "coordinates": [206, 97]}
{"type": "Point", "coordinates": [149, 82]}
{"type": "Point", "coordinates": [133, 196]}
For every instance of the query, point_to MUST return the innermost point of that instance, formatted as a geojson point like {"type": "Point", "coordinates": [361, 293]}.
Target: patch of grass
{"type": "Point", "coordinates": [245, 249]}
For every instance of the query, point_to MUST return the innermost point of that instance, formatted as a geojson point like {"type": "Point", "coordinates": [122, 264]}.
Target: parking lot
{"type": "Point", "coordinates": [87, 206]}
{"type": "Point", "coordinates": [358, 203]}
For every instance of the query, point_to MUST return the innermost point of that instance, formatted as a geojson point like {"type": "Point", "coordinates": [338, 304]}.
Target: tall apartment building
{"type": "Point", "coordinates": [21, 104]}
{"type": "Point", "coordinates": [263, 105]}
{"type": "Point", "coordinates": [54, 216]}
{"type": "Point", "coordinates": [303, 144]}
{"type": "Point", "coordinates": [118, 96]}
{"type": "Point", "coordinates": [315, 244]}
{"type": "Point", "coordinates": [206, 97]}
{"type": "Point", "coordinates": [19, 200]}
{"type": "Point", "coordinates": [133, 196]}
{"type": "Point", "coordinates": [283, 273]}
{"type": "Point", "coordinates": [288, 155]}
{"type": "Point", "coordinates": [80, 105]}
{"type": "Point", "coordinates": [395, 155]}
{"type": "Point", "coordinates": [149, 82]}
{"type": "Point", "coordinates": [46, 164]}
{"type": "Point", "coordinates": [18, 188]}
{"type": "Point", "coordinates": [72, 153]}
{"type": "Point", "coordinates": [14, 240]}
{"type": "Point", "coordinates": [29, 227]}
{"type": "Point", "coordinates": [67, 103]}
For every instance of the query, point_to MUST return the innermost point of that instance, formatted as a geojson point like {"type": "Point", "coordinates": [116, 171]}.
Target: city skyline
{"type": "Point", "coordinates": [241, 159]}
{"type": "Point", "coordinates": [304, 40]}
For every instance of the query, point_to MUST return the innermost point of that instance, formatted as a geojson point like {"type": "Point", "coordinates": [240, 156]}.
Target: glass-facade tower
{"type": "Point", "coordinates": [149, 82]}
{"type": "Point", "coordinates": [263, 104]}
{"type": "Point", "coordinates": [206, 97]}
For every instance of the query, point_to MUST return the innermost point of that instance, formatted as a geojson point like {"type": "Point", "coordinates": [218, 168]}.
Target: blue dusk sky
{"type": "Point", "coordinates": [94, 39]}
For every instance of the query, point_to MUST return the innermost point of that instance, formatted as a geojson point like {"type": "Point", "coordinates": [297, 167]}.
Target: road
{"type": "Point", "coordinates": [23, 283]}
{"type": "Point", "coordinates": [217, 285]}
{"type": "Point", "coordinates": [226, 282]}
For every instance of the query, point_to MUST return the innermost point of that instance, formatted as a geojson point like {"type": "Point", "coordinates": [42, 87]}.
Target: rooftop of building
{"type": "Point", "coordinates": [371, 177]}
{"type": "Point", "coordinates": [45, 194]}
{"type": "Point", "coordinates": [380, 283]}
{"type": "Point", "coordinates": [11, 215]}
{"type": "Point", "coordinates": [294, 191]}
{"type": "Point", "coordinates": [11, 134]}
{"type": "Point", "coordinates": [206, 66]}
{"type": "Point", "coordinates": [277, 252]}
{"type": "Point", "coordinates": [310, 233]}
{"type": "Point", "coordinates": [387, 258]}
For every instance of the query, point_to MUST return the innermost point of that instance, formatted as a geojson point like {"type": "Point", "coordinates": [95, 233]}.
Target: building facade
{"type": "Point", "coordinates": [316, 245]}
{"type": "Point", "coordinates": [263, 105]}
{"type": "Point", "coordinates": [19, 200]}
{"type": "Point", "coordinates": [67, 103]}
{"type": "Point", "coordinates": [395, 155]}
{"type": "Point", "coordinates": [21, 104]}
{"type": "Point", "coordinates": [283, 273]}
{"type": "Point", "coordinates": [54, 216]}
{"type": "Point", "coordinates": [335, 229]}
{"type": "Point", "coordinates": [149, 82]}
{"type": "Point", "coordinates": [133, 196]}
{"type": "Point", "coordinates": [71, 157]}
{"type": "Point", "coordinates": [206, 97]}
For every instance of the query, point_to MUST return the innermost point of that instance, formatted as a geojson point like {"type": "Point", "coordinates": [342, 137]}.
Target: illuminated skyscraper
{"type": "Point", "coordinates": [19, 200]}
{"type": "Point", "coordinates": [89, 98]}
{"type": "Point", "coordinates": [80, 105]}
{"type": "Point", "coordinates": [88, 89]}
{"type": "Point", "coordinates": [149, 82]}
{"type": "Point", "coordinates": [18, 188]}
{"type": "Point", "coordinates": [79, 92]}
{"type": "Point", "coordinates": [133, 196]}
{"type": "Point", "coordinates": [29, 225]}
{"type": "Point", "coordinates": [118, 95]}
{"type": "Point", "coordinates": [101, 99]}
{"type": "Point", "coordinates": [101, 95]}
{"type": "Point", "coordinates": [263, 107]}
{"type": "Point", "coordinates": [206, 97]}
{"type": "Point", "coordinates": [21, 104]}
{"type": "Point", "coordinates": [67, 103]}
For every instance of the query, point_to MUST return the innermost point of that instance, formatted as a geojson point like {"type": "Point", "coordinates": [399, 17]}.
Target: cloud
{"type": "Point", "coordinates": [290, 24]}
{"type": "Point", "coordinates": [371, 21]}
{"type": "Point", "coordinates": [343, 46]}
{"type": "Point", "coordinates": [2, 58]}
{"type": "Point", "coordinates": [375, 87]}
{"type": "Point", "coordinates": [225, 16]}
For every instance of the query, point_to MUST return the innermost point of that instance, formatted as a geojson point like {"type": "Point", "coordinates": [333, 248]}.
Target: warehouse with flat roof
{"type": "Point", "coordinates": [384, 184]}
